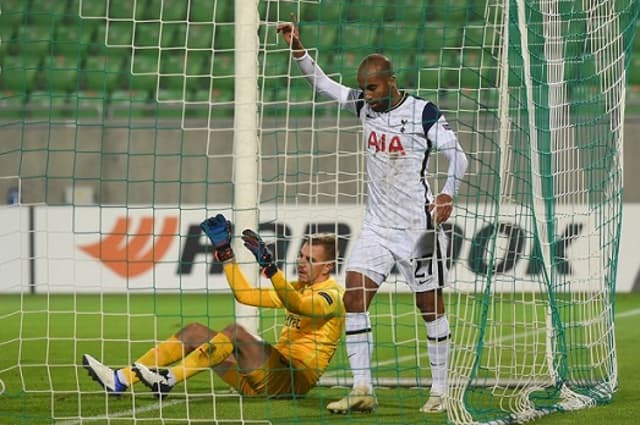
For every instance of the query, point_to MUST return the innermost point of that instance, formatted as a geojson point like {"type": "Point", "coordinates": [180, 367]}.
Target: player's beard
{"type": "Point", "coordinates": [381, 104]}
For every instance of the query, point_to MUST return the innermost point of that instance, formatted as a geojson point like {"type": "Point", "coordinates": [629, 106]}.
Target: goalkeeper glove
{"type": "Point", "coordinates": [218, 229]}
{"type": "Point", "coordinates": [256, 245]}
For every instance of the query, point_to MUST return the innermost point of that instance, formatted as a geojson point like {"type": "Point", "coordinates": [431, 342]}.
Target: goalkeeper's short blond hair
{"type": "Point", "coordinates": [325, 240]}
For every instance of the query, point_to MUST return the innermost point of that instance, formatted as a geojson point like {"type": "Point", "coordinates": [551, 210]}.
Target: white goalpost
{"type": "Point", "coordinates": [126, 123]}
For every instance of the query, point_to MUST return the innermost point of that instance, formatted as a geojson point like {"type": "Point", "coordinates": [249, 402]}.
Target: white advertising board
{"type": "Point", "coordinates": [116, 249]}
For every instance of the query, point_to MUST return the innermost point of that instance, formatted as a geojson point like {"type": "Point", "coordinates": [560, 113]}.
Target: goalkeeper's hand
{"type": "Point", "coordinates": [218, 229]}
{"type": "Point", "coordinates": [254, 243]}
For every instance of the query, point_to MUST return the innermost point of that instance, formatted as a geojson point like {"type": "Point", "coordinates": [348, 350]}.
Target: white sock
{"type": "Point", "coordinates": [359, 341]}
{"type": "Point", "coordinates": [438, 343]}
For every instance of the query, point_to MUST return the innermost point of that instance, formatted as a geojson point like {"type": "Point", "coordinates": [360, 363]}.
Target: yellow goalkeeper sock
{"type": "Point", "coordinates": [163, 354]}
{"type": "Point", "coordinates": [207, 355]}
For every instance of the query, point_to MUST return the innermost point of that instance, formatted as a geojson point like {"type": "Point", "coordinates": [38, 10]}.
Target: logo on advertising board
{"type": "Point", "coordinates": [129, 254]}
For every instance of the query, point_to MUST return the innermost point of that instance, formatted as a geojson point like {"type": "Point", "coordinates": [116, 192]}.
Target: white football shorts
{"type": "Point", "coordinates": [377, 250]}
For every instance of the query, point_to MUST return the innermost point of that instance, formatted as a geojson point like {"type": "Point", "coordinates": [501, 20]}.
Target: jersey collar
{"type": "Point", "coordinates": [397, 105]}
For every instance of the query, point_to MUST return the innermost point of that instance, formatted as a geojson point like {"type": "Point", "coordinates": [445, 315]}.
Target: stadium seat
{"type": "Point", "coordinates": [281, 12]}
{"type": "Point", "coordinates": [153, 34]}
{"type": "Point", "coordinates": [276, 63]}
{"type": "Point", "coordinates": [47, 12]}
{"type": "Point", "coordinates": [72, 40]}
{"type": "Point", "coordinates": [119, 34]}
{"type": "Point", "coordinates": [476, 70]}
{"type": "Point", "coordinates": [211, 11]}
{"type": "Point", "coordinates": [173, 11]}
{"type": "Point", "coordinates": [271, 87]}
{"type": "Point", "coordinates": [225, 37]}
{"type": "Point", "coordinates": [324, 11]}
{"type": "Point", "coordinates": [121, 9]}
{"type": "Point", "coordinates": [366, 11]}
{"type": "Point", "coordinates": [11, 106]}
{"type": "Point", "coordinates": [7, 40]}
{"type": "Point", "coordinates": [346, 63]}
{"type": "Point", "coordinates": [440, 35]}
{"type": "Point", "coordinates": [214, 103]}
{"type": "Point", "coordinates": [49, 105]}
{"type": "Point", "coordinates": [169, 104]}
{"type": "Point", "coordinates": [476, 10]}
{"type": "Point", "coordinates": [449, 11]}
{"type": "Point", "coordinates": [102, 72]}
{"type": "Point", "coordinates": [19, 73]}
{"type": "Point", "coordinates": [143, 75]}
{"type": "Point", "coordinates": [89, 10]}
{"type": "Point", "coordinates": [223, 71]}
{"type": "Point", "coordinates": [89, 105]}
{"type": "Point", "coordinates": [33, 40]}
{"type": "Point", "coordinates": [180, 73]}
{"type": "Point", "coordinates": [300, 101]}
{"type": "Point", "coordinates": [320, 36]}
{"type": "Point", "coordinates": [222, 102]}
{"type": "Point", "coordinates": [410, 12]}
{"type": "Point", "coordinates": [432, 73]}
{"type": "Point", "coordinates": [402, 37]}
{"type": "Point", "coordinates": [14, 13]}
{"type": "Point", "coordinates": [358, 36]}
{"type": "Point", "coordinates": [634, 70]}
{"type": "Point", "coordinates": [181, 62]}
{"type": "Point", "coordinates": [60, 73]}
{"type": "Point", "coordinates": [405, 70]}
{"type": "Point", "coordinates": [200, 36]}
{"type": "Point", "coordinates": [129, 104]}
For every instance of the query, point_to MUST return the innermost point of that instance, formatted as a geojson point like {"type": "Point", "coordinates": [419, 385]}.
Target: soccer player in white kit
{"type": "Point", "coordinates": [400, 132]}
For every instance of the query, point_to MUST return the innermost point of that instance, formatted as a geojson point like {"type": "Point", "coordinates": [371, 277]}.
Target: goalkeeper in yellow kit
{"type": "Point", "coordinates": [312, 328]}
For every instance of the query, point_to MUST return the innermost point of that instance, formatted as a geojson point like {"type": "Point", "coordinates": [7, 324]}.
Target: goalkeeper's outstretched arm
{"type": "Point", "coordinates": [218, 229]}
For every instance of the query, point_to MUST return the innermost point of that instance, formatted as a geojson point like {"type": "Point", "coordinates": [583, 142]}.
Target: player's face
{"type": "Point", "coordinates": [377, 87]}
{"type": "Point", "coordinates": [312, 264]}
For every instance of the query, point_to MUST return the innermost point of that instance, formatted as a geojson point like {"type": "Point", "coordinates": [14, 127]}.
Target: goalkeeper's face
{"type": "Point", "coordinates": [313, 264]}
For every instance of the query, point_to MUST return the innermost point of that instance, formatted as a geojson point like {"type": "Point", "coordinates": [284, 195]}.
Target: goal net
{"type": "Point", "coordinates": [125, 123]}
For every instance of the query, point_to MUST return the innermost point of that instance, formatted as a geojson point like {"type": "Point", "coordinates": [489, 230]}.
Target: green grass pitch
{"type": "Point", "coordinates": [117, 329]}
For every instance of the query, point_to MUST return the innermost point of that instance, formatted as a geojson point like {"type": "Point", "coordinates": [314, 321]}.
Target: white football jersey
{"type": "Point", "coordinates": [399, 143]}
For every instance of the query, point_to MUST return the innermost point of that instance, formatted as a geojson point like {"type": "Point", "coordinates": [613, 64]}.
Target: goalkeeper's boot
{"type": "Point", "coordinates": [104, 375]}
{"type": "Point", "coordinates": [435, 404]}
{"type": "Point", "coordinates": [360, 399]}
{"type": "Point", "coordinates": [160, 381]}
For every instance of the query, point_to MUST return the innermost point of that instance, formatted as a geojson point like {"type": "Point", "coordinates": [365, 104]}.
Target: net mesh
{"type": "Point", "coordinates": [118, 123]}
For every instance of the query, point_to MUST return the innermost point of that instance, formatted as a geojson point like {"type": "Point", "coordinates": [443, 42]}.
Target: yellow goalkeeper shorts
{"type": "Point", "coordinates": [278, 377]}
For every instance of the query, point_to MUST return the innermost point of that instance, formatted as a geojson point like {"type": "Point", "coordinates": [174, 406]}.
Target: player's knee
{"type": "Point", "coordinates": [354, 300]}
{"type": "Point", "coordinates": [234, 329]}
{"type": "Point", "coordinates": [194, 334]}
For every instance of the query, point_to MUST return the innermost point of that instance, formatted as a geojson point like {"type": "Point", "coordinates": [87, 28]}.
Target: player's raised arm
{"type": "Point", "coordinates": [291, 36]}
{"type": "Point", "coordinates": [313, 73]}
{"type": "Point", "coordinates": [218, 229]}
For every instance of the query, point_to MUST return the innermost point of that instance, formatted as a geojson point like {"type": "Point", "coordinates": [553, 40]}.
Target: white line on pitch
{"type": "Point", "coordinates": [624, 314]}
{"type": "Point", "coordinates": [159, 405]}
{"type": "Point", "coordinates": [155, 406]}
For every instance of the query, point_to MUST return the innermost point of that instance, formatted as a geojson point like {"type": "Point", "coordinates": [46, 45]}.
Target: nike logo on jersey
{"type": "Point", "coordinates": [379, 143]}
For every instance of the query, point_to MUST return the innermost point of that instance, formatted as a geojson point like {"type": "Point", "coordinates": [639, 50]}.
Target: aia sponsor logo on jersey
{"type": "Point", "coordinates": [380, 142]}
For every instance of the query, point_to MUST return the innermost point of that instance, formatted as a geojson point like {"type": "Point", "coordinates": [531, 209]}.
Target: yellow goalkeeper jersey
{"type": "Point", "coordinates": [314, 319]}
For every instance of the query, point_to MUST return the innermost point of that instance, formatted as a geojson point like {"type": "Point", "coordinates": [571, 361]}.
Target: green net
{"type": "Point", "coordinates": [126, 123]}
